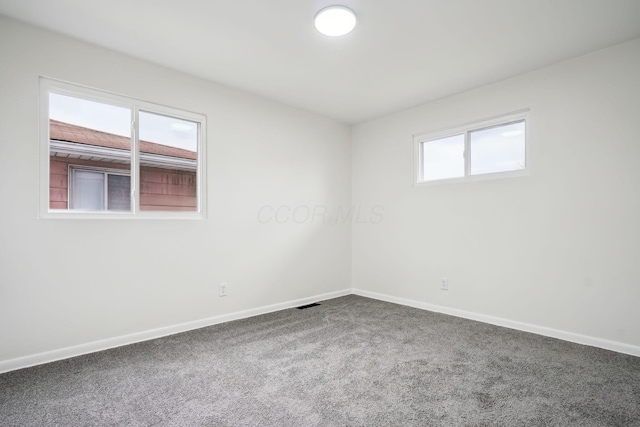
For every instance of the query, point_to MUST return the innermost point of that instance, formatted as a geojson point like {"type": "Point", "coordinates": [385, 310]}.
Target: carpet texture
{"type": "Point", "coordinates": [351, 361]}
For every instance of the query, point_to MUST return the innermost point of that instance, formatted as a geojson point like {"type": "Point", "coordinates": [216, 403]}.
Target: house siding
{"type": "Point", "coordinates": [167, 190]}
{"type": "Point", "coordinates": [160, 189]}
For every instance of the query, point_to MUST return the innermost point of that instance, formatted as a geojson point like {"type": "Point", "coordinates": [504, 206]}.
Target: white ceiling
{"type": "Point", "coordinates": [402, 53]}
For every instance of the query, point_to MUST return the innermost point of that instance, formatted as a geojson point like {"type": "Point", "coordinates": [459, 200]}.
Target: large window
{"type": "Point", "coordinates": [495, 147]}
{"type": "Point", "coordinates": [109, 156]}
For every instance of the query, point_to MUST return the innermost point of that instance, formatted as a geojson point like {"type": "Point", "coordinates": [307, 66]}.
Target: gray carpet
{"type": "Point", "coordinates": [352, 361]}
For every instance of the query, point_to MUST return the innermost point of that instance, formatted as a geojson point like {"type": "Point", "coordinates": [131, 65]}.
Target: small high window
{"type": "Point", "coordinates": [496, 147]}
{"type": "Point", "coordinates": [105, 155]}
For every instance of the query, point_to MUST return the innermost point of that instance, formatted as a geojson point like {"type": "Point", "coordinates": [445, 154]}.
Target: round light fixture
{"type": "Point", "coordinates": [335, 21]}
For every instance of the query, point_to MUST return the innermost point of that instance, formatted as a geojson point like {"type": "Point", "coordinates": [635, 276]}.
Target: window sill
{"type": "Point", "coordinates": [475, 178]}
{"type": "Point", "coordinates": [160, 215]}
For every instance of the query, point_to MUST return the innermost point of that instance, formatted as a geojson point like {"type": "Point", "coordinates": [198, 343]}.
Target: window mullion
{"type": "Point", "coordinates": [105, 187]}
{"type": "Point", "coordinates": [135, 160]}
{"type": "Point", "coordinates": [467, 154]}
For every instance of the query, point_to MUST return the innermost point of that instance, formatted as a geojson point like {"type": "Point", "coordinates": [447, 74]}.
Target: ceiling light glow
{"type": "Point", "coordinates": [335, 21]}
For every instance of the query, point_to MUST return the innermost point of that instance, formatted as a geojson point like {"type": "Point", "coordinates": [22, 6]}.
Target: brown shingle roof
{"type": "Point", "coordinates": [61, 131]}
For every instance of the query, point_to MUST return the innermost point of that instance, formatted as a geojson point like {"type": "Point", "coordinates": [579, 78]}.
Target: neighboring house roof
{"type": "Point", "coordinates": [69, 140]}
{"type": "Point", "coordinates": [71, 133]}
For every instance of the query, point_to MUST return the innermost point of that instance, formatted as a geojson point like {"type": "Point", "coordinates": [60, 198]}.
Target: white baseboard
{"type": "Point", "coordinates": [526, 327]}
{"type": "Point", "coordinates": [91, 347]}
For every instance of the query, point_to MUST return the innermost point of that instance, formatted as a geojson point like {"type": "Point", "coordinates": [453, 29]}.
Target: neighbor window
{"type": "Point", "coordinates": [104, 155]}
{"type": "Point", "coordinates": [97, 190]}
{"type": "Point", "coordinates": [496, 147]}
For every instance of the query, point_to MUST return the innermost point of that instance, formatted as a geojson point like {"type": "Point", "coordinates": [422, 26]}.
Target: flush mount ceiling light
{"type": "Point", "coordinates": [335, 21]}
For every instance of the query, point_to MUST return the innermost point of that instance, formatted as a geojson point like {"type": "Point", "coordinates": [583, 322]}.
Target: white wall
{"type": "Point", "coordinates": [558, 249]}
{"type": "Point", "coordinates": [70, 282]}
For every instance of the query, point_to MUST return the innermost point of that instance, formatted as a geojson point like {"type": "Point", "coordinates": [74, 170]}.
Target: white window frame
{"type": "Point", "coordinates": [48, 86]}
{"type": "Point", "coordinates": [466, 129]}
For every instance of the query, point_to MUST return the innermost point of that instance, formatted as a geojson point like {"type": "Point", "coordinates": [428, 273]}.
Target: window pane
{"type": "Point", "coordinates": [498, 149]}
{"type": "Point", "coordinates": [168, 163]}
{"type": "Point", "coordinates": [119, 192]}
{"type": "Point", "coordinates": [85, 133]}
{"type": "Point", "coordinates": [88, 190]}
{"type": "Point", "coordinates": [443, 158]}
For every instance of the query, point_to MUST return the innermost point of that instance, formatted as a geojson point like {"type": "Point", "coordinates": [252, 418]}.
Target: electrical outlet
{"type": "Point", "coordinates": [223, 289]}
{"type": "Point", "coordinates": [444, 284]}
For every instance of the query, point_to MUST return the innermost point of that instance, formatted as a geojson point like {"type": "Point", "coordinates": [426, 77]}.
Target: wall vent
{"type": "Point", "coordinates": [302, 307]}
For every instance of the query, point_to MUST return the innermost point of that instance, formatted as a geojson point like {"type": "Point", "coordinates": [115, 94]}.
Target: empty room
{"type": "Point", "coordinates": [320, 213]}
